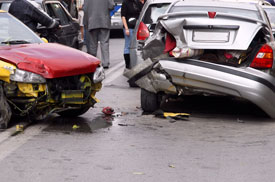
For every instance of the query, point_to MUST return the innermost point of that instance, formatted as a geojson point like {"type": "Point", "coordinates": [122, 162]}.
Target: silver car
{"type": "Point", "coordinates": [116, 21]}
{"type": "Point", "coordinates": [152, 9]}
{"type": "Point", "coordinates": [206, 47]}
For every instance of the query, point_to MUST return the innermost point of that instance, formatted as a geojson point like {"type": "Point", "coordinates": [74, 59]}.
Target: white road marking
{"type": "Point", "coordinates": [113, 73]}
{"type": "Point", "coordinates": [10, 144]}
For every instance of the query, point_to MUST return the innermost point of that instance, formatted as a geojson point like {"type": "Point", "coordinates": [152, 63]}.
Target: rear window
{"type": "Point", "coordinates": [271, 16]}
{"type": "Point", "coordinates": [153, 12]}
{"type": "Point", "coordinates": [232, 11]}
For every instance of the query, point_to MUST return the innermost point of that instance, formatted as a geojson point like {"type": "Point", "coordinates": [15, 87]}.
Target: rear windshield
{"type": "Point", "coordinates": [153, 12]}
{"type": "Point", "coordinates": [271, 16]}
{"type": "Point", "coordinates": [231, 11]}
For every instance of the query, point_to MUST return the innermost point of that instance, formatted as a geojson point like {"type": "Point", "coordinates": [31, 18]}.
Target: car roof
{"type": "Point", "coordinates": [160, 1]}
{"type": "Point", "coordinates": [220, 3]}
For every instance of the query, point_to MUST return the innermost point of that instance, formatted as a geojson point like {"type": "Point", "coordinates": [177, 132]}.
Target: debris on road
{"type": "Point", "coordinates": [138, 173]}
{"type": "Point", "coordinates": [171, 166]}
{"type": "Point", "coordinates": [75, 127]}
{"type": "Point", "coordinates": [124, 124]}
{"type": "Point", "coordinates": [21, 127]}
{"type": "Point", "coordinates": [240, 121]}
{"type": "Point", "coordinates": [172, 116]}
{"type": "Point", "coordinates": [108, 110]}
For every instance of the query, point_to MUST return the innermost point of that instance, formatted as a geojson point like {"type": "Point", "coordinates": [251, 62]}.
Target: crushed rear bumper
{"type": "Point", "coordinates": [189, 77]}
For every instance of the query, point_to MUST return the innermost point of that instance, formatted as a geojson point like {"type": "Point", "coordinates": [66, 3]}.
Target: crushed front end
{"type": "Point", "coordinates": [31, 94]}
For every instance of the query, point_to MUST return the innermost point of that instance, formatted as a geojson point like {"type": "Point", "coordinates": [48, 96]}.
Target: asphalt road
{"type": "Point", "coordinates": [223, 140]}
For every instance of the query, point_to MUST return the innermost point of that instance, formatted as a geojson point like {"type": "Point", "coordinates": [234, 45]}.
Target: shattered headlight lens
{"type": "Point", "coordinates": [99, 75]}
{"type": "Point", "coordinates": [26, 77]}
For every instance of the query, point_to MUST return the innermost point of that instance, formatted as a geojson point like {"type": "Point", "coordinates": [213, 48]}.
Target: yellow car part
{"type": "Point", "coordinates": [5, 70]}
{"type": "Point", "coordinates": [29, 90]}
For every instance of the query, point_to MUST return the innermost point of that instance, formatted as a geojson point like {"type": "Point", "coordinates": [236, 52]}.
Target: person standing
{"type": "Point", "coordinates": [79, 5]}
{"type": "Point", "coordinates": [130, 9]}
{"type": "Point", "coordinates": [97, 20]}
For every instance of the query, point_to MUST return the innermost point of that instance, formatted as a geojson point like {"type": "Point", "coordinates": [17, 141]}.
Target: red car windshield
{"type": "Point", "coordinates": [15, 32]}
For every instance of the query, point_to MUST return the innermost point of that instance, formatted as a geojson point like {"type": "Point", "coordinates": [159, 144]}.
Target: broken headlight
{"type": "Point", "coordinates": [99, 75]}
{"type": "Point", "coordinates": [26, 77]}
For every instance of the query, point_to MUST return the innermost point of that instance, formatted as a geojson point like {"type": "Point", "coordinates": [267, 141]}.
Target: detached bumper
{"type": "Point", "coordinates": [193, 77]}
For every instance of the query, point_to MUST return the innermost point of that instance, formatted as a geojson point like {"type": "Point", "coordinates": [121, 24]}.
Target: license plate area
{"type": "Point", "coordinates": [210, 36]}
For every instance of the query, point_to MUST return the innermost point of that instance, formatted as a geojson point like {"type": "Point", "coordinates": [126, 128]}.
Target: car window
{"type": "Point", "coordinates": [5, 6]}
{"type": "Point", "coordinates": [12, 29]}
{"type": "Point", "coordinates": [271, 16]}
{"type": "Point", "coordinates": [234, 11]}
{"type": "Point", "coordinates": [153, 12]}
{"type": "Point", "coordinates": [55, 10]}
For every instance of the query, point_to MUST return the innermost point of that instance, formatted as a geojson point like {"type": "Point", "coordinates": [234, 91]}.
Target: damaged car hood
{"type": "Point", "coordinates": [49, 59]}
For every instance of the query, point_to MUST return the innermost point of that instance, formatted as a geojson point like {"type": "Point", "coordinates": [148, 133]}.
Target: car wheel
{"type": "Point", "coordinates": [74, 112]}
{"type": "Point", "coordinates": [149, 101]}
{"type": "Point", "coordinates": [5, 110]}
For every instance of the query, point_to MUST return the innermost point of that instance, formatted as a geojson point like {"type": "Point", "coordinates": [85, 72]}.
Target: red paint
{"type": "Point", "coordinates": [49, 60]}
{"type": "Point", "coordinates": [170, 43]}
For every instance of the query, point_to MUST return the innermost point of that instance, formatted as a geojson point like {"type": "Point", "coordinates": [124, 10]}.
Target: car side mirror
{"type": "Point", "coordinates": [132, 21]}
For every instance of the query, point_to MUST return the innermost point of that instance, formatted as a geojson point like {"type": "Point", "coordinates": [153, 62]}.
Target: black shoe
{"type": "Point", "coordinates": [106, 67]}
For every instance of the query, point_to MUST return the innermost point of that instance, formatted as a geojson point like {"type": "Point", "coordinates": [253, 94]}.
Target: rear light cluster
{"type": "Point", "coordinates": [143, 32]}
{"type": "Point", "coordinates": [170, 43]}
{"type": "Point", "coordinates": [264, 58]}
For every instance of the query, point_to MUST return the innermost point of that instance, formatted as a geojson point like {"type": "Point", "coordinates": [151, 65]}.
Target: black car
{"type": "Point", "coordinates": [69, 31]}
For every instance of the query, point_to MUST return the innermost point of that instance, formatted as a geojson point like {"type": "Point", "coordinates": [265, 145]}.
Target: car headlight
{"type": "Point", "coordinates": [99, 75]}
{"type": "Point", "coordinates": [26, 77]}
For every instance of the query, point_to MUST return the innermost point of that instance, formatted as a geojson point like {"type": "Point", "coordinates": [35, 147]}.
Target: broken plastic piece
{"type": "Point", "coordinates": [171, 116]}
{"type": "Point", "coordinates": [108, 110]}
{"type": "Point", "coordinates": [75, 127]}
{"type": "Point", "coordinates": [19, 127]}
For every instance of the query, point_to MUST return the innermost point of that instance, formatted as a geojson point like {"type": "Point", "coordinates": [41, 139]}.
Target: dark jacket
{"type": "Point", "coordinates": [31, 15]}
{"type": "Point", "coordinates": [131, 9]}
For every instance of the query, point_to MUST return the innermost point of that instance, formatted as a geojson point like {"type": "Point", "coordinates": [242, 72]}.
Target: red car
{"type": "Point", "coordinates": [38, 78]}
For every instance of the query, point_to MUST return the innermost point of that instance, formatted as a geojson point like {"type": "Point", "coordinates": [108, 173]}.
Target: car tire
{"type": "Point", "coordinates": [149, 101]}
{"type": "Point", "coordinates": [5, 110]}
{"type": "Point", "coordinates": [74, 112]}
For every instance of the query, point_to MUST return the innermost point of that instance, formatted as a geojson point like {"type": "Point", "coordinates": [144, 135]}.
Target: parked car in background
{"type": "Point", "coordinates": [145, 25]}
{"type": "Point", "coordinates": [69, 31]}
{"type": "Point", "coordinates": [38, 78]}
{"type": "Point", "coordinates": [206, 47]}
{"type": "Point", "coordinates": [116, 21]}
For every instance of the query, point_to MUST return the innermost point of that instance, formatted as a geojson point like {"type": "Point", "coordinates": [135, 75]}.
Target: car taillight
{"type": "Point", "coordinates": [264, 58]}
{"type": "Point", "coordinates": [170, 43]}
{"type": "Point", "coordinates": [143, 32]}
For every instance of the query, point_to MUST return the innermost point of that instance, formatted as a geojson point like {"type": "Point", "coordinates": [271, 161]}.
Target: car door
{"type": "Point", "coordinates": [67, 34]}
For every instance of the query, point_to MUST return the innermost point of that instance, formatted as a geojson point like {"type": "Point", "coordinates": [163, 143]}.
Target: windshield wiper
{"type": "Point", "coordinates": [15, 42]}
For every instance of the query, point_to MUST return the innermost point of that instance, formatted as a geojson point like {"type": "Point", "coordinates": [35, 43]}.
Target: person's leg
{"type": "Point", "coordinates": [93, 41]}
{"type": "Point", "coordinates": [126, 52]}
{"type": "Point", "coordinates": [86, 39]}
{"type": "Point", "coordinates": [104, 36]}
